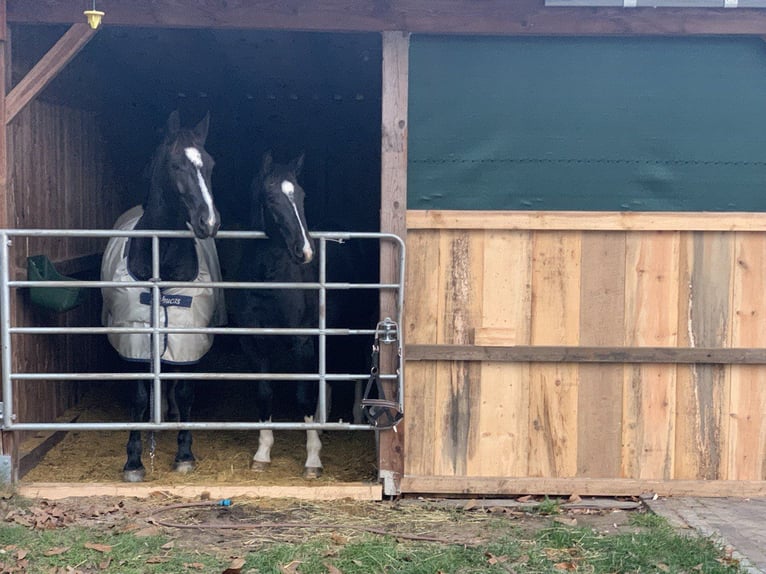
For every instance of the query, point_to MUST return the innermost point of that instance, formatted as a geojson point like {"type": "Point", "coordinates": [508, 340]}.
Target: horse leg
{"type": "Point", "coordinates": [307, 400]}
{"type": "Point", "coordinates": [184, 396]}
{"type": "Point", "coordinates": [265, 397]}
{"type": "Point", "coordinates": [134, 470]}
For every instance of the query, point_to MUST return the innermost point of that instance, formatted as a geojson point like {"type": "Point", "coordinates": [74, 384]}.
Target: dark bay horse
{"type": "Point", "coordinates": [284, 256]}
{"type": "Point", "coordinates": [179, 198]}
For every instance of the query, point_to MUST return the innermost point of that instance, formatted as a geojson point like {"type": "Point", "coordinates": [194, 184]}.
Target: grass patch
{"type": "Point", "coordinates": [528, 543]}
{"type": "Point", "coordinates": [89, 550]}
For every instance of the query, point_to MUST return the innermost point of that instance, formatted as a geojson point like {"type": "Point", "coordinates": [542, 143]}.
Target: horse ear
{"type": "Point", "coordinates": [266, 163]}
{"type": "Point", "coordinates": [200, 130]}
{"type": "Point", "coordinates": [297, 164]}
{"type": "Point", "coordinates": [173, 125]}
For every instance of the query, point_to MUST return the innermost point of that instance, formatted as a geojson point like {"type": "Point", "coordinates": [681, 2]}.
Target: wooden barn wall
{"type": "Point", "coordinates": [578, 283]}
{"type": "Point", "coordinates": [57, 179]}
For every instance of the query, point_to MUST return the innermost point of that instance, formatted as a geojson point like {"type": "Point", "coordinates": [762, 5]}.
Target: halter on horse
{"type": "Point", "coordinates": [284, 256]}
{"type": "Point", "coordinates": [179, 197]}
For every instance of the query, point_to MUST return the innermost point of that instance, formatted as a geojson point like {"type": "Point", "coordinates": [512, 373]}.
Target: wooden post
{"type": "Point", "coordinates": [393, 198]}
{"type": "Point", "coordinates": [8, 445]}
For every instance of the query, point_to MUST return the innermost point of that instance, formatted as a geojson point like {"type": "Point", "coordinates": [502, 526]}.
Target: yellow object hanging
{"type": "Point", "coordinates": [94, 17]}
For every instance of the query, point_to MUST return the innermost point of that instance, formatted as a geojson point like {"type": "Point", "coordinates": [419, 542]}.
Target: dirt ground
{"type": "Point", "coordinates": [201, 526]}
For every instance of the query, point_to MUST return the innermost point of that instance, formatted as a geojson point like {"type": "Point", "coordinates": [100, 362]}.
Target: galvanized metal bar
{"type": "Point", "coordinates": [223, 284]}
{"type": "Point", "coordinates": [197, 330]}
{"type": "Point", "coordinates": [187, 425]}
{"type": "Point", "coordinates": [5, 337]}
{"type": "Point", "coordinates": [157, 332]}
{"type": "Point", "coordinates": [322, 326]}
{"type": "Point", "coordinates": [99, 377]}
{"type": "Point", "coordinates": [156, 402]}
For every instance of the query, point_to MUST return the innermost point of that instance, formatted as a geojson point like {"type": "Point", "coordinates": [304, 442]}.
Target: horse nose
{"type": "Point", "coordinates": [210, 222]}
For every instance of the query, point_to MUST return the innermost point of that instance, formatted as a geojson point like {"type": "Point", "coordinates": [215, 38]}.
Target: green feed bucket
{"type": "Point", "coordinates": [58, 299]}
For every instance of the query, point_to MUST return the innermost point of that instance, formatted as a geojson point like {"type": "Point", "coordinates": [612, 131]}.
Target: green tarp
{"type": "Point", "coordinates": [613, 124]}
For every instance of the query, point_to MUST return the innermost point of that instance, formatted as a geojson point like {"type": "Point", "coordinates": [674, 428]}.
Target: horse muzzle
{"type": "Point", "coordinates": [206, 225]}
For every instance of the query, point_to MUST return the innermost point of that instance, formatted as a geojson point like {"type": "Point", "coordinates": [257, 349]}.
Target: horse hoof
{"type": "Point", "coordinates": [136, 475]}
{"type": "Point", "coordinates": [183, 466]}
{"type": "Point", "coordinates": [258, 466]}
{"type": "Point", "coordinates": [312, 472]}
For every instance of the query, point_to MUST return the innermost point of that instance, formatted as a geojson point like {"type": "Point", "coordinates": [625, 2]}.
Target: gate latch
{"type": "Point", "coordinates": [381, 412]}
{"type": "Point", "coordinates": [387, 331]}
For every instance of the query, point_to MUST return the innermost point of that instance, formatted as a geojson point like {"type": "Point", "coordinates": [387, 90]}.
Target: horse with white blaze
{"type": "Point", "coordinates": [179, 198]}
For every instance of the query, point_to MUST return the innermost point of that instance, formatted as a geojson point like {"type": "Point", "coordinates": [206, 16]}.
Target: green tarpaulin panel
{"type": "Point", "coordinates": [609, 124]}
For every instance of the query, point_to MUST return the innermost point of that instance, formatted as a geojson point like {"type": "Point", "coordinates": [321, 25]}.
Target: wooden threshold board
{"type": "Point", "coordinates": [57, 490]}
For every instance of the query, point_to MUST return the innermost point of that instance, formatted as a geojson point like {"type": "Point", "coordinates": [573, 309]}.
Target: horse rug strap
{"type": "Point", "coordinates": [180, 307]}
{"type": "Point", "coordinates": [381, 413]}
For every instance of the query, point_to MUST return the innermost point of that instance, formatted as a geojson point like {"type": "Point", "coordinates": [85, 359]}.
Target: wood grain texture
{"type": "Point", "coordinates": [421, 326]}
{"type": "Point", "coordinates": [746, 445]}
{"type": "Point", "coordinates": [704, 320]}
{"type": "Point", "coordinates": [435, 16]}
{"type": "Point", "coordinates": [555, 320]}
{"type": "Point", "coordinates": [508, 486]}
{"type": "Point", "coordinates": [47, 68]}
{"type": "Point", "coordinates": [461, 262]}
{"type": "Point", "coordinates": [393, 191]}
{"type": "Point", "coordinates": [586, 221]}
{"type": "Point", "coordinates": [602, 322]}
{"type": "Point", "coordinates": [503, 408]}
{"type": "Point", "coordinates": [651, 317]}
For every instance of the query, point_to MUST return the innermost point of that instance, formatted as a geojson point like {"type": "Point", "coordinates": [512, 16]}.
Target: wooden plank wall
{"type": "Point", "coordinates": [58, 178]}
{"type": "Point", "coordinates": [564, 284]}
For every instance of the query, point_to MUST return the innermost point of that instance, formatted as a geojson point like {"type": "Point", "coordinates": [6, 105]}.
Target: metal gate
{"type": "Point", "coordinates": [386, 331]}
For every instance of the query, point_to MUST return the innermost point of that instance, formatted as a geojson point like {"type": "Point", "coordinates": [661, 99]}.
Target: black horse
{"type": "Point", "coordinates": [179, 197]}
{"type": "Point", "coordinates": [284, 256]}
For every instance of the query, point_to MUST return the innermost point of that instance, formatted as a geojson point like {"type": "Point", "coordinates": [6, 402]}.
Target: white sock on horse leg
{"type": "Point", "coordinates": [265, 442]}
{"type": "Point", "coordinates": [313, 446]}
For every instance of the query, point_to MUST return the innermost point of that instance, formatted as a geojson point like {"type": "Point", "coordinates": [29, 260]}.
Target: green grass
{"type": "Point", "coordinates": [129, 554]}
{"type": "Point", "coordinates": [647, 545]}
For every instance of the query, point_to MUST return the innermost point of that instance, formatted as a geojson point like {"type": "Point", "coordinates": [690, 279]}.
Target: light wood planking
{"type": "Point", "coordinates": [586, 220]}
{"type": "Point", "coordinates": [555, 320]}
{"type": "Point", "coordinates": [421, 326]}
{"type": "Point", "coordinates": [503, 409]}
{"type": "Point", "coordinates": [704, 319]}
{"type": "Point", "coordinates": [602, 322]}
{"type": "Point", "coordinates": [58, 490]}
{"type": "Point", "coordinates": [651, 316]}
{"type": "Point", "coordinates": [507, 486]}
{"type": "Point", "coordinates": [459, 389]}
{"type": "Point", "coordinates": [746, 447]}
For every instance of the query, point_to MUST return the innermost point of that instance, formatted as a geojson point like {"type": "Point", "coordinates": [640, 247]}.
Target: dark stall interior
{"type": "Point", "coordinates": [288, 92]}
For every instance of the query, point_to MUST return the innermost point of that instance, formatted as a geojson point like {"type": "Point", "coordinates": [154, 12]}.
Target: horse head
{"type": "Point", "coordinates": [278, 206]}
{"type": "Point", "coordinates": [185, 167]}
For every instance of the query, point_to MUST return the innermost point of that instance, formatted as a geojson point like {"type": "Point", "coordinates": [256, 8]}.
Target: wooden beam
{"type": "Point", "coordinates": [587, 220]}
{"type": "Point", "coordinates": [520, 17]}
{"type": "Point", "coordinates": [506, 486]}
{"type": "Point", "coordinates": [564, 354]}
{"type": "Point", "coordinates": [393, 197]}
{"type": "Point", "coordinates": [56, 490]}
{"type": "Point", "coordinates": [47, 68]}
{"type": "Point", "coordinates": [8, 442]}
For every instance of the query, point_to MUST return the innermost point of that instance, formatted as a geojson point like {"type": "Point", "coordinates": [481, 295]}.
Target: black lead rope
{"type": "Point", "coordinates": [381, 412]}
